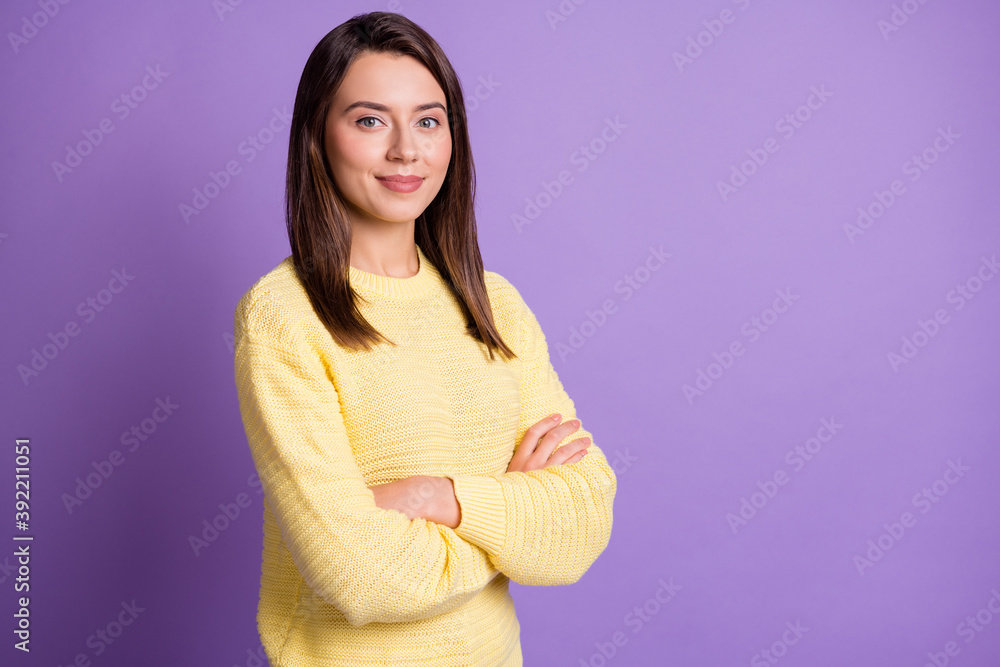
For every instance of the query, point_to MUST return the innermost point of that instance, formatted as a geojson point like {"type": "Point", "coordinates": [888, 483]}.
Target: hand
{"type": "Point", "coordinates": [535, 450]}
{"type": "Point", "coordinates": [421, 496]}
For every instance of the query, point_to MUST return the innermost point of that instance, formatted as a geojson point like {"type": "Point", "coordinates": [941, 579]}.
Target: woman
{"type": "Point", "coordinates": [384, 378]}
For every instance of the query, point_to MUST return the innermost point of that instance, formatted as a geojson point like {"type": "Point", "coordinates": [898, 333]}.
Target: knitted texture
{"type": "Point", "coordinates": [346, 583]}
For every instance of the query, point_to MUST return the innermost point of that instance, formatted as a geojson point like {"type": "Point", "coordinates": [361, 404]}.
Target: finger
{"type": "Point", "coordinates": [547, 445]}
{"type": "Point", "coordinates": [571, 452]}
{"type": "Point", "coordinates": [531, 438]}
{"type": "Point", "coordinates": [538, 430]}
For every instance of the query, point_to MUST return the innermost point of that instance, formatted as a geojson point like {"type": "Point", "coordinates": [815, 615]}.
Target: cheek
{"type": "Point", "coordinates": [441, 155]}
{"type": "Point", "coordinates": [351, 152]}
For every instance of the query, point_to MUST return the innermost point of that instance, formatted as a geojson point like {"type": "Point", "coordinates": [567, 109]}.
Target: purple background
{"type": "Point", "coordinates": [538, 92]}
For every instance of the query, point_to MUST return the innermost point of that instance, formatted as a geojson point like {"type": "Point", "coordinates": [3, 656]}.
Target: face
{"type": "Point", "coordinates": [388, 120]}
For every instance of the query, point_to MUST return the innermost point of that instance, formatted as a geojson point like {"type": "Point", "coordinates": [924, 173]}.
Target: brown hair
{"type": "Point", "coordinates": [319, 230]}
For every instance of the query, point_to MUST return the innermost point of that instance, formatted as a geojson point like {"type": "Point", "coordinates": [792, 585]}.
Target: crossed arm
{"type": "Point", "coordinates": [542, 522]}
{"type": "Point", "coordinates": [433, 498]}
{"type": "Point", "coordinates": [545, 520]}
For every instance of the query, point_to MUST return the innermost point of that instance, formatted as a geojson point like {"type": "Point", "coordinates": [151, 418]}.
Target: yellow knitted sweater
{"type": "Point", "coordinates": [344, 582]}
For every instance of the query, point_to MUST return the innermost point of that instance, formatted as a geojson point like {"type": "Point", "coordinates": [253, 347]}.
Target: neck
{"type": "Point", "coordinates": [386, 249]}
{"type": "Point", "coordinates": [423, 280]}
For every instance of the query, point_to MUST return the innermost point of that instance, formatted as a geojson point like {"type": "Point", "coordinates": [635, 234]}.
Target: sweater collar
{"type": "Point", "coordinates": [416, 285]}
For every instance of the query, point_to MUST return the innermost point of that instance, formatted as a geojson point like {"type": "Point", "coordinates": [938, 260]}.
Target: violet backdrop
{"type": "Point", "coordinates": [761, 238]}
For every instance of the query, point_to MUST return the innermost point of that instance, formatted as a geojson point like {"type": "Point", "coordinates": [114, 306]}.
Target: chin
{"type": "Point", "coordinates": [400, 218]}
{"type": "Point", "coordinates": [402, 213]}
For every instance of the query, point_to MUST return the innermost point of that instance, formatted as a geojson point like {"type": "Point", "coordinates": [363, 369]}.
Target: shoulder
{"type": "Point", "coordinates": [274, 306]}
{"type": "Point", "coordinates": [502, 289]}
{"type": "Point", "coordinates": [505, 298]}
{"type": "Point", "coordinates": [514, 318]}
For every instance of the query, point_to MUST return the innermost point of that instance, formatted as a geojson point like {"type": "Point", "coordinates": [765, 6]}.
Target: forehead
{"type": "Point", "coordinates": [388, 78]}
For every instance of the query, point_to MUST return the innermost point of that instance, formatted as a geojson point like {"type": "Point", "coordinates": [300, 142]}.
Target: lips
{"type": "Point", "coordinates": [400, 179]}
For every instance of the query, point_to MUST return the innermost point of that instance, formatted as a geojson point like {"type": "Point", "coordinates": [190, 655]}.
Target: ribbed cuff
{"type": "Point", "coordinates": [483, 512]}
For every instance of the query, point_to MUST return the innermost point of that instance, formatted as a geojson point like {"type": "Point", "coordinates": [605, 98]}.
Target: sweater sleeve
{"type": "Point", "coordinates": [544, 527]}
{"type": "Point", "coordinates": [373, 564]}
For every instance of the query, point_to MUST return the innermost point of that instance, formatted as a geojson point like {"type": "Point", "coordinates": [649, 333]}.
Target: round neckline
{"type": "Point", "coordinates": [419, 283]}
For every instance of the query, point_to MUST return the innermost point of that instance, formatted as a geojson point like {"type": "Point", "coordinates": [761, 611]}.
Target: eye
{"type": "Point", "coordinates": [361, 121]}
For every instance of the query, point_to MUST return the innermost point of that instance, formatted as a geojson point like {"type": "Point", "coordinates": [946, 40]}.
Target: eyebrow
{"type": "Point", "coordinates": [381, 107]}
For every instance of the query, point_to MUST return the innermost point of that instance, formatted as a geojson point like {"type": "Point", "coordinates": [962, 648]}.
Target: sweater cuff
{"type": "Point", "coordinates": [483, 513]}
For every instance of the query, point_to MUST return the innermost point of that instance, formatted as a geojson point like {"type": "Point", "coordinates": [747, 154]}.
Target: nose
{"type": "Point", "coordinates": [404, 145]}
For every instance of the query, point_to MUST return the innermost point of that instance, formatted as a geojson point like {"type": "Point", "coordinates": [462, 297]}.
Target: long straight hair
{"type": "Point", "coordinates": [319, 229]}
